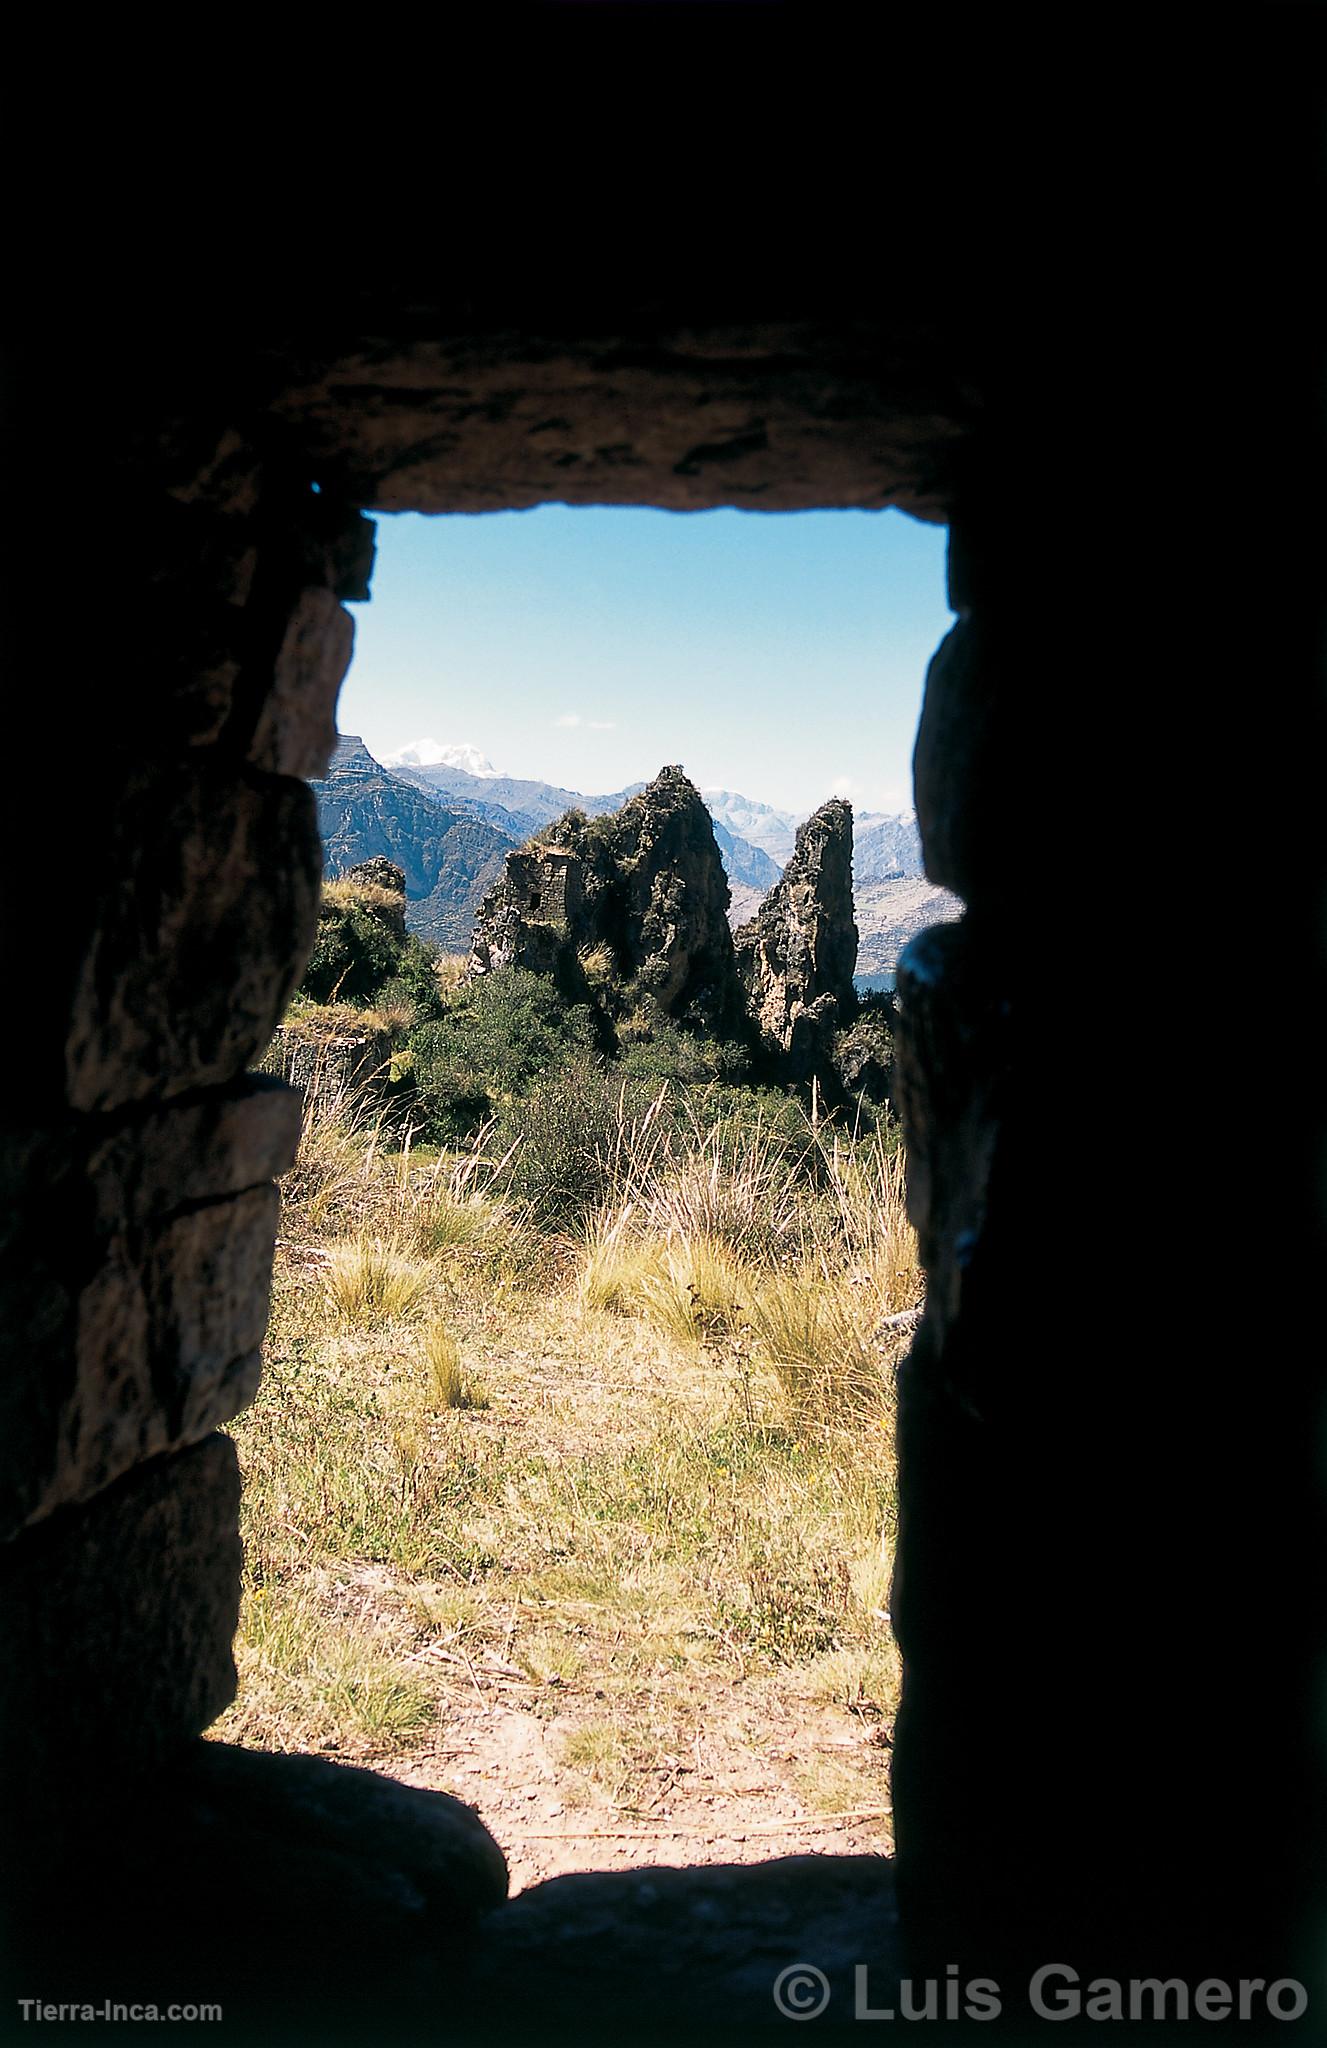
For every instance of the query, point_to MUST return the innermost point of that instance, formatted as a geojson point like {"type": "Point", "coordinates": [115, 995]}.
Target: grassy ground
{"type": "Point", "coordinates": [593, 1529]}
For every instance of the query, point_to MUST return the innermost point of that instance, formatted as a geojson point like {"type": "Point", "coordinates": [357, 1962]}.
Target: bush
{"type": "Point", "coordinates": [494, 1035]}
{"type": "Point", "coordinates": [414, 985]}
{"type": "Point", "coordinates": [864, 1050]}
{"type": "Point", "coordinates": [359, 947]}
{"type": "Point", "coordinates": [570, 1135]}
{"type": "Point", "coordinates": [656, 1049]}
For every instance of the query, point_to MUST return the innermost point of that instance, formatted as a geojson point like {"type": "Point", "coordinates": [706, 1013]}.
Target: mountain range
{"type": "Point", "coordinates": [449, 857]}
{"type": "Point", "coordinates": [449, 822]}
{"type": "Point", "coordinates": [522, 807]}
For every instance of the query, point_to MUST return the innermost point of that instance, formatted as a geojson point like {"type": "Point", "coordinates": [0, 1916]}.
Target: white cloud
{"type": "Point", "coordinates": [569, 718]}
{"type": "Point", "coordinates": [603, 725]}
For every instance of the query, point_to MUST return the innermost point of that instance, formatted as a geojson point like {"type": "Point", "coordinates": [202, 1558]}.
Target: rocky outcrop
{"type": "Point", "coordinates": [645, 884]}
{"type": "Point", "coordinates": [796, 957]}
{"type": "Point", "coordinates": [522, 808]}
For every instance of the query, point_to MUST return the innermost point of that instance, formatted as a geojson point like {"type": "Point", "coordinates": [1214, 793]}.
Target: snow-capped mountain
{"type": "Point", "coordinates": [885, 847]}
{"type": "Point", "coordinates": [432, 754]}
{"type": "Point", "coordinates": [756, 837]}
{"type": "Point", "coordinates": [759, 824]}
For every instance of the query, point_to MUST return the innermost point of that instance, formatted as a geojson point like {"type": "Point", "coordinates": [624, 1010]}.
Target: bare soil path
{"type": "Point", "coordinates": [726, 1800]}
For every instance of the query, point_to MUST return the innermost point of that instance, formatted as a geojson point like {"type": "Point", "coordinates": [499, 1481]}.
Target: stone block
{"type": "Point", "coordinates": [951, 1050]}
{"type": "Point", "coordinates": [676, 1947]}
{"type": "Point", "coordinates": [135, 1264]}
{"type": "Point", "coordinates": [212, 463]}
{"type": "Point", "coordinates": [435, 1843]}
{"type": "Point", "coordinates": [952, 763]}
{"type": "Point", "coordinates": [188, 574]}
{"type": "Point", "coordinates": [222, 1143]}
{"type": "Point", "coordinates": [311, 1900]}
{"type": "Point", "coordinates": [148, 1350]}
{"type": "Point", "coordinates": [349, 544]}
{"type": "Point", "coordinates": [116, 1620]}
{"type": "Point", "coordinates": [960, 569]}
{"type": "Point", "coordinates": [296, 729]}
{"type": "Point", "coordinates": [208, 900]}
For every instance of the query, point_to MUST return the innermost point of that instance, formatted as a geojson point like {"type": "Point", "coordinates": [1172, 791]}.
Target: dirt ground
{"type": "Point", "coordinates": [728, 1799]}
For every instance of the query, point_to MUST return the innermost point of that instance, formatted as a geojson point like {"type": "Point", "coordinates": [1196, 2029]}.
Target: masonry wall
{"type": "Point", "coordinates": [1107, 1726]}
{"type": "Point", "coordinates": [162, 933]}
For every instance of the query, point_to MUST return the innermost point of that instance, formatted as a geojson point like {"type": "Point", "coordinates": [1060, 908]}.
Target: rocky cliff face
{"type": "Point", "coordinates": [796, 957]}
{"type": "Point", "coordinates": [646, 883]}
{"type": "Point", "coordinates": [448, 860]}
{"type": "Point", "coordinates": [521, 808]}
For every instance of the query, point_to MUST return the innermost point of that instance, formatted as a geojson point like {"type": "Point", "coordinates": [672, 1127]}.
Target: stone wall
{"type": "Point", "coordinates": [1105, 1752]}
{"type": "Point", "coordinates": [177, 904]}
{"type": "Point", "coordinates": [171, 922]}
{"type": "Point", "coordinates": [1073, 1570]}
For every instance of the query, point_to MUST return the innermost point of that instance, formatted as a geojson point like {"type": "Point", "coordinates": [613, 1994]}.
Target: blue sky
{"type": "Point", "coordinates": [778, 654]}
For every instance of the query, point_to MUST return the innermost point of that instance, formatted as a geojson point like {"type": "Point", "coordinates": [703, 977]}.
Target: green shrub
{"type": "Point", "coordinates": [657, 1049]}
{"type": "Point", "coordinates": [414, 984]}
{"type": "Point", "coordinates": [864, 1051]}
{"type": "Point", "coordinates": [564, 1132]}
{"type": "Point", "coordinates": [494, 1035]}
{"type": "Point", "coordinates": [448, 1103]}
{"type": "Point", "coordinates": [569, 1135]}
{"type": "Point", "coordinates": [358, 948]}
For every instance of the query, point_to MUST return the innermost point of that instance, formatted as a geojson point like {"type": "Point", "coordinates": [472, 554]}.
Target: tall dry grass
{"type": "Point", "coordinates": [791, 1262]}
{"type": "Point", "coordinates": [662, 1453]}
{"type": "Point", "coordinates": [360, 1178]}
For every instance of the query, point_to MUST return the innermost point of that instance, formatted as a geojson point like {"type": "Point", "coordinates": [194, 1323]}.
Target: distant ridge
{"type": "Point", "coordinates": [450, 860]}
{"type": "Point", "coordinates": [523, 807]}
{"type": "Point", "coordinates": [450, 827]}
{"type": "Point", "coordinates": [429, 753]}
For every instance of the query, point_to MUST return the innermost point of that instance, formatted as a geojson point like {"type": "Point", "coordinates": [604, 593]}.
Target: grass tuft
{"type": "Point", "coordinates": [368, 1278]}
{"type": "Point", "coordinates": [452, 1385]}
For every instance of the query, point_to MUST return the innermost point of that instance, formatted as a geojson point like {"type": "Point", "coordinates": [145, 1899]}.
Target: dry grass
{"type": "Point", "coordinates": [634, 1474]}
{"type": "Point", "coordinates": [326, 1679]}
{"type": "Point", "coordinates": [597, 1748]}
{"type": "Point", "coordinates": [450, 970]}
{"type": "Point", "coordinates": [369, 1278]}
{"type": "Point", "coordinates": [598, 965]}
{"type": "Point", "coordinates": [323, 1023]}
{"type": "Point", "coordinates": [344, 893]}
{"type": "Point", "coordinates": [452, 1385]}
{"type": "Point", "coordinates": [687, 1287]}
{"type": "Point", "coordinates": [811, 1330]}
{"type": "Point", "coordinates": [739, 1249]}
